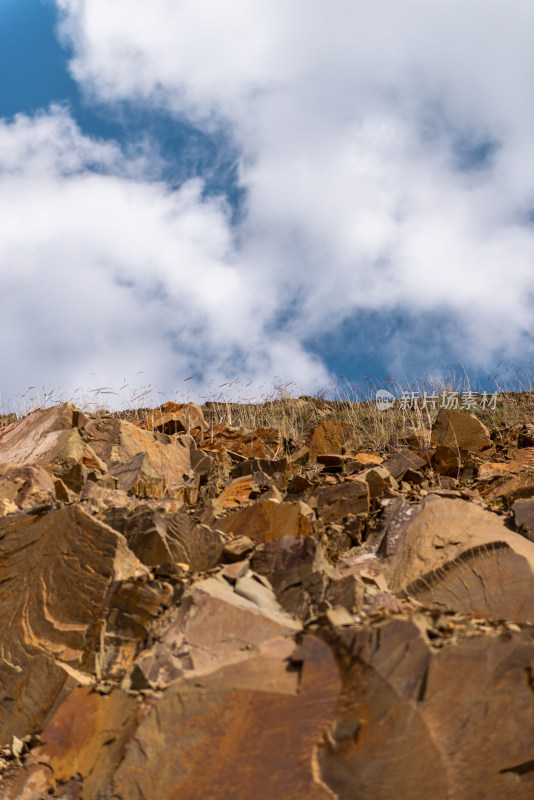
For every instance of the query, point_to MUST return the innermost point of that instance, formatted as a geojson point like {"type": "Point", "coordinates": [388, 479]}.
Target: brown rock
{"type": "Point", "coordinates": [267, 520]}
{"type": "Point", "coordinates": [460, 431]}
{"type": "Point", "coordinates": [298, 572]}
{"type": "Point", "coordinates": [242, 490]}
{"type": "Point", "coordinates": [263, 443]}
{"type": "Point", "coordinates": [494, 469]}
{"type": "Point", "coordinates": [447, 461]}
{"type": "Point", "coordinates": [368, 459]}
{"type": "Point", "coordinates": [452, 554]}
{"type": "Point", "coordinates": [256, 723]}
{"type": "Point", "coordinates": [524, 517]}
{"type": "Point", "coordinates": [173, 418]}
{"type": "Point", "coordinates": [158, 537]}
{"type": "Point", "coordinates": [413, 720]}
{"type": "Point", "coordinates": [332, 436]}
{"type": "Point", "coordinates": [337, 502]}
{"type": "Point", "coordinates": [26, 487]}
{"type": "Point", "coordinates": [29, 440]}
{"type": "Point", "coordinates": [56, 574]}
{"type": "Point", "coordinates": [399, 464]}
{"type": "Point", "coordinates": [510, 488]}
{"type": "Point", "coordinates": [217, 621]}
{"type": "Point", "coordinates": [141, 461]}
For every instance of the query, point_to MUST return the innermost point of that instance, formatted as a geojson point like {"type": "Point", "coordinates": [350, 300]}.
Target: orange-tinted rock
{"type": "Point", "coordinates": [26, 487]}
{"type": "Point", "coordinates": [157, 537]}
{"type": "Point", "coordinates": [460, 431]}
{"type": "Point", "coordinates": [331, 436]}
{"type": "Point", "coordinates": [56, 573]}
{"type": "Point", "coordinates": [141, 461]}
{"type": "Point", "coordinates": [415, 722]}
{"type": "Point", "coordinates": [452, 554]}
{"type": "Point", "coordinates": [494, 469]}
{"type": "Point", "coordinates": [29, 440]}
{"type": "Point", "coordinates": [260, 443]}
{"type": "Point", "coordinates": [337, 502]}
{"type": "Point", "coordinates": [368, 459]}
{"type": "Point", "coordinates": [402, 462]}
{"type": "Point", "coordinates": [256, 723]}
{"type": "Point", "coordinates": [242, 490]}
{"type": "Point", "coordinates": [509, 488]}
{"type": "Point", "coordinates": [173, 418]}
{"type": "Point", "coordinates": [217, 620]}
{"type": "Point", "coordinates": [267, 520]}
{"type": "Point", "coordinates": [447, 461]}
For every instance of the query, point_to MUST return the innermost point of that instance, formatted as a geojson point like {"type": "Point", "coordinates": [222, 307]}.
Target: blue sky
{"type": "Point", "coordinates": [276, 193]}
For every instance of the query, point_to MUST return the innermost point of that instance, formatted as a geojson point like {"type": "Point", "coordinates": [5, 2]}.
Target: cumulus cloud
{"type": "Point", "coordinates": [106, 270]}
{"type": "Point", "coordinates": [385, 147]}
{"type": "Point", "coordinates": [385, 154]}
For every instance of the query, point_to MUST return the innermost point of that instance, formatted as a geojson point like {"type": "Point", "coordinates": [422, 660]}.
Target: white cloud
{"type": "Point", "coordinates": [106, 271]}
{"type": "Point", "coordinates": [352, 120]}
{"type": "Point", "coordinates": [349, 117]}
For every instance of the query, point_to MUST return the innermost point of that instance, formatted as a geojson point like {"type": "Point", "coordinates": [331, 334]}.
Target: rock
{"type": "Point", "coordinates": [399, 464]}
{"type": "Point", "coordinates": [262, 443]}
{"type": "Point", "coordinates": [26, 487]}
{"type": "Point", "coordinates": [257, 723]}
{"type": "Point", "coordinates": [413, 720]}
{"type": "Point", "coordinates": [451, 554]}
{"type": "Point", "coordinates": [523, 511]}
{"type": "Point", "coordinates": [217, 621]}
{"type": "Point", "coordinates": [368, 459]}
{"type": "Point", "coordinates": [331, 436]}
{"type": "Point", "coordinates": [56, 575]}
{"type": "Point", "coordinates": [298, 572]}
{"type": "Point", "coordinates": [242, 490]}
{"type": "Point", "coordinates": [141, 461]}
{"type": "Point", "coordinates": [509, 488]}
{"type": "Point", "coordinates": [337, 502]}
{"type": "Point", "coordinates": [381, 482]}
{"type": "Point", "coordinates": [158, 537]}
{"type": "Point", "coordinates": [447, 461]}
{"type": "Point", "coordinates": [458, 430]}
{"type": "Point", "coordinates": [267, 520]}
{"type": "Point", "coordinates": [171, 418]}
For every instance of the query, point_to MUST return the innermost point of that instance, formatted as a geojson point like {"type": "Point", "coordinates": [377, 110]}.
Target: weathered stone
{"type": "Point", "coordinates": [216, 621]}
{"type": "Point", "coordinates": [494, 469]}
{"type": "Point", "coordinates": [415, 722]}
{"type": "Point", "coordinates": [26, 487]}
{"type": "Point", "coordinates": [298, 572]}
{"type": "Point", "coordinates": [29, 440]}
{"type": "Point", "coordinates": [447, 461]}
{"type": "Point", "coordinates": [267, 520]}
{"type": "Point", "coordinates": [157, 537]}
{"type": "Point", "coordinates": [368, 459]}
{"type": "Point", "coordinates": [263, 443]}
{"type": "Point", "coordinates": [459, 430]}
{"type": "Point", "coordinates": [509, 488]}
{"type": "Point", "coordinates": [337, 502]}
{"type": "Point", "coordinates": [174, 418]}
{"type": "Point", "coordinates": [268, 466]}
{"type": "Point", "coordinates": [56, 575]}
{"type": "Point", "coordinates": [242, 490]}
{"type": "Point", "coordinates": [256, 723]}
{"type": "Point", "coordinates": [380, 481]}
{"type": "Point", "coordinates": [331, 436]}
{"type": "Point", "coordinates": [403, 461]}
{"type": "Point", "coordinates": [524, 517]}
{"type": "Point", "coordinates": [452, 554]}
{"type": "Point", "coordinates": [141, 461]}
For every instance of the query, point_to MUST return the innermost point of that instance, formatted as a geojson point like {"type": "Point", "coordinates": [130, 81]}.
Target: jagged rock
{"type": "Point", "coordinates": [494, 469]}
{"type": "Point", "coordinates": [459, 430]}
{"type": "Point", "coordinates": [331, 436]}
{"type": "Point", "coordinates": [158, 537]}
{"type": "Point", "coordinates": [402, 462]}
{"type": "Point", "coordinates": [257, 724]}
{"type": "Point", "coordinates": [26, 487]}
{"type": "Point", "coordinates": [268, 466]}
{"type": "Point", "coordinates": [415, 722]}
{"type": "Point", "coordinates": [173, 418]}
{"type": "Point", "coordinates": [447, 461]}
{"type": "Point", "coordinates": [452, 554]}
{"type": "Point", "coordinates": [381, 482]}
{"type": "Point", "coordinates": [524, 517]}
{"type": "Point", "coordinates": [56, 575]}
{"type": "Point", "coordinates": [369, 459]}
{"type": "Point", "coordinates": [263, 443]}
{"type": "Point", "coordinates": [337, 502]}
{"type": "Point", "coordinates": [268, 519]}
{"type": "Point", "coordinates": [509, 488]}
{"type": "Point", "coordinates": [242, 490]}
{"type": "Point", "coordinates": [298, 572]}
{"type": "Point", "coordinates": [142, 462]}
{"type": "Point", "coordinates": [51, 438]}
{"type": "Point", "coordinates": [216, 621]}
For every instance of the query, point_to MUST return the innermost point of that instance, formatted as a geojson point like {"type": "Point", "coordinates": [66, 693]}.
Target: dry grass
{"type": "Point", "coordinates": [295, 415]}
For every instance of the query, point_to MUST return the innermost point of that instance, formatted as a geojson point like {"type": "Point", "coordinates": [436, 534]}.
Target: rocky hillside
{"type": "Point", "coordinates": [197, 611]}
